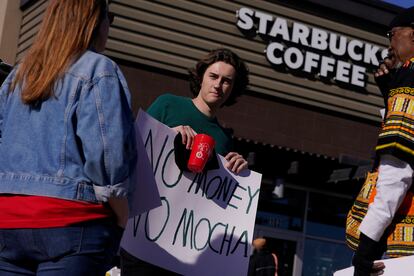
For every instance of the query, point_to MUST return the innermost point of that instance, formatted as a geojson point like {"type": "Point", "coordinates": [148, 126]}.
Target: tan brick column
{"type": "Point", "coordinates": [10, 21]}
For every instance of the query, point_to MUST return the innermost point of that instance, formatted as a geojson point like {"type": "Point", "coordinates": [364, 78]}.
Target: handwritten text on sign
{"type": "Point", "coordinates": [205, 223]}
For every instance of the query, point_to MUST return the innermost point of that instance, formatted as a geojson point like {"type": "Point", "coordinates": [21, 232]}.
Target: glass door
{"type": "Point", "coordinates": [288, 247]}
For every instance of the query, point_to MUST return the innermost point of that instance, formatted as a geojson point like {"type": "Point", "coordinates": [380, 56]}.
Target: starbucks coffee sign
{"type": "Point", "coordinates": [312, 50]}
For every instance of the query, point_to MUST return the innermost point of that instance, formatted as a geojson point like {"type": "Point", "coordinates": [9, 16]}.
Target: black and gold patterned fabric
{"type": "Point", "coordinates": [396, 138]}
{"type": "Point", "coordinates": [400, 234]}
{"type": "Point", "coordinates": [397, 134]}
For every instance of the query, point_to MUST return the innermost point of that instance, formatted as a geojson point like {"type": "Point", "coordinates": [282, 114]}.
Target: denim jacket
{"type": "Point", "coordinates": [77, 145]}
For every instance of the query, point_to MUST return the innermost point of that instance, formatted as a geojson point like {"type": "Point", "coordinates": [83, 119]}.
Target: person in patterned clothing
{"type": "Point", "coordinates": [395, 147]}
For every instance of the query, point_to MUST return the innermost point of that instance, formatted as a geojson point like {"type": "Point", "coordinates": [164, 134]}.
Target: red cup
{"type": "Point", "coordinates": [201, 151]}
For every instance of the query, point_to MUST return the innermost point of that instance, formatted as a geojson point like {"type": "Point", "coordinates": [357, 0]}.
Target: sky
{"type": "Point", "coordinates": [402, 3]}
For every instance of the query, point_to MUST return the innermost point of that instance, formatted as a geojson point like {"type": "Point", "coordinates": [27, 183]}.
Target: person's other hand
{"type": "Point", "coordinates": [377, 269]}
{"type": "Point", "coordinates": [120, 207]}
{"type": "Point", "coordinates": [187, 133]}
{"type": "Point", "coordinates": [384, 75]}
{"type": "Point", "coordinates": [368, 250]}
{"type": "Point", "coordinates": [385, 67]}
{"type": "Point", "coordinates": [236, 162]}
{"type": "Point", "coordinates": [366, 269]}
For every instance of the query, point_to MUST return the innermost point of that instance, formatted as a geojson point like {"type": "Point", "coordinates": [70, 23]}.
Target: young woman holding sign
{"type": "Point", "coordinates": [217, 80]}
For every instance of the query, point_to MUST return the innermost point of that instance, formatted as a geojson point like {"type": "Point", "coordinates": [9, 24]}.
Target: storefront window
{"type": "Point", "coordinates": [323, 258]}
{"type": "Point", "coordinates": [285, 253]}
{"type": "Point", "coordinates": [283, 213]}
{"type": "Point", "coordinates": [325, 250]}
{"type": "Point", "coordinates": [322, 234]}
{"type": "Point", "coordinates": [327, 216]}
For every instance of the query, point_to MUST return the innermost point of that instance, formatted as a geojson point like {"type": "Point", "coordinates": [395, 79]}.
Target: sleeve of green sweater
{"type": "Point", "coordinates": [158, 108]}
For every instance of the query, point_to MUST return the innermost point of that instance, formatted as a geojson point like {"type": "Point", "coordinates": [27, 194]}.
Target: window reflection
{"type": "Point", "coordinates": [323, 258]}
{"type": "Point", "coordinates": [284, 213]}
{"type": "Point", "coordinates": [323, 239]}
{"type": "Point", "coordinates": [327, 216]}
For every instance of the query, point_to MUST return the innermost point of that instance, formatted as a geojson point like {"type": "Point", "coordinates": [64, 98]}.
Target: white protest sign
{"type": "Point", "coordinates": [397, 266]}
{"type": "Point", "coordinates": [206, 221]}
{"type": "Point", "coordinates": [142, 181]}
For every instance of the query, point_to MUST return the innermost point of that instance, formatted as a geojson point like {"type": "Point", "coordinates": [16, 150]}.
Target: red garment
{"type": "Point", "coordinates": [23, 211]}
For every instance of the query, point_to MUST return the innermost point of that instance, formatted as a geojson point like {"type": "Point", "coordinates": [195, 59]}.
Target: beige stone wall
{"type": "Point", "coordinates": [172, 35]}
{"type": "Point", "coordinates": [10, 21]}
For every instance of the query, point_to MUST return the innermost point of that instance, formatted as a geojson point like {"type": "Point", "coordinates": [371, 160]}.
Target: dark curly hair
{"type": "Point", "coordinates": [4, 71]}
{"type": "Point", "coordinates": [242, 72]}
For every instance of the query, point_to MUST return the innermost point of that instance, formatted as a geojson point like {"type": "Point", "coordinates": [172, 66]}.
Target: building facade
{"type": "Point", "coordinates": [309, 120]}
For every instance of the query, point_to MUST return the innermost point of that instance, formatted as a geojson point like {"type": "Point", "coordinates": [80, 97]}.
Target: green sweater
{"type": "Point", "coordinates": [174, 110]}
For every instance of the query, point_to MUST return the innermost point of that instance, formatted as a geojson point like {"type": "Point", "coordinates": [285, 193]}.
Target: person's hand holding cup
{"type": "Point", "coordinates": [201, 151]}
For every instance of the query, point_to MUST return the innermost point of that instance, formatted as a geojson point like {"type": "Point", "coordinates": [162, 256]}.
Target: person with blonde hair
{"type": "Point", "coordinates": [66, 147]}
